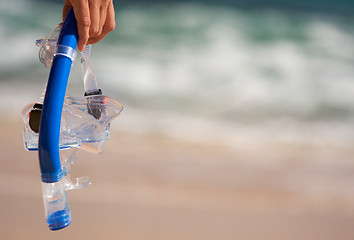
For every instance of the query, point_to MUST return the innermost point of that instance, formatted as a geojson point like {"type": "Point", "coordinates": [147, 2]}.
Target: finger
{"type": "Point", "coordinates": [103, 12]}
{"type": "Point", "coordinates": [95, 29]}
{"type": "Point", "coordinates": [82, 15]}
{"type": "Point", "coordinates": [66, 8]}
{"type": "Point", "coordinates": [103, 16]}
{"type": "Point", "coordinates": [108, 27]}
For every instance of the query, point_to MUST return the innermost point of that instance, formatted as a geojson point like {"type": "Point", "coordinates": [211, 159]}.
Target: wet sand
{"type": "Point", "coordinates": [158, 188]}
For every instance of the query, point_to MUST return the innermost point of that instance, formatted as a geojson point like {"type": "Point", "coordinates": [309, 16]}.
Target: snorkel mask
{"type": "Point", "coordinates": [59, 122]}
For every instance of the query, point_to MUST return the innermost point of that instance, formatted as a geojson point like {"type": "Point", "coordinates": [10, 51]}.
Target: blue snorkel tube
{"type": "Point", "coordinates": [57, 210]}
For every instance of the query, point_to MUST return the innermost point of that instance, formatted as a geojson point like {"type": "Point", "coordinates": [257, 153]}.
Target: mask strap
{"type": "Point", "coordinates": [90, 81]}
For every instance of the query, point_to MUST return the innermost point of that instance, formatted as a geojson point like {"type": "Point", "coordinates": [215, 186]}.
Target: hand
{"type": "Point", "coordinates": [95, 19]}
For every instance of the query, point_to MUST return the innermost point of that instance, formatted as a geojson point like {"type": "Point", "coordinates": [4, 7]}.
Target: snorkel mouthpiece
{"type": "Point", "coordinates": [56, 205]}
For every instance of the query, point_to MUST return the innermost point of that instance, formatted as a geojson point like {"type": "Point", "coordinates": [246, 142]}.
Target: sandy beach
{"type": "Point", "coordinates": [157, 188]}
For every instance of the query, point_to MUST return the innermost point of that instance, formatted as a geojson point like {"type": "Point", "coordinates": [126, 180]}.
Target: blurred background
{"type": "Point", "coordinates": [237, 123]}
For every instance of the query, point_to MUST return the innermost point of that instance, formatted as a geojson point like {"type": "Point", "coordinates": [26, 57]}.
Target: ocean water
{"type": "Point", "coordinates": [202, 73]}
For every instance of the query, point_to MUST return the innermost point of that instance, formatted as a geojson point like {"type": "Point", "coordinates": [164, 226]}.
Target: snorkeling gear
{"type": "Point", "coordinates": [60, 122]}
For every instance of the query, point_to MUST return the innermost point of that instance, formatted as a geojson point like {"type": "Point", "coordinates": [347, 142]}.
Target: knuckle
{"type": "Point", "coordinates": [111, 26]}
{"type": "Point", "coordinates": [106, 2]}
{"type": "Point", "coordinates": [85, 22]}
{"type": "Point", "coordinates": [95, 31]}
